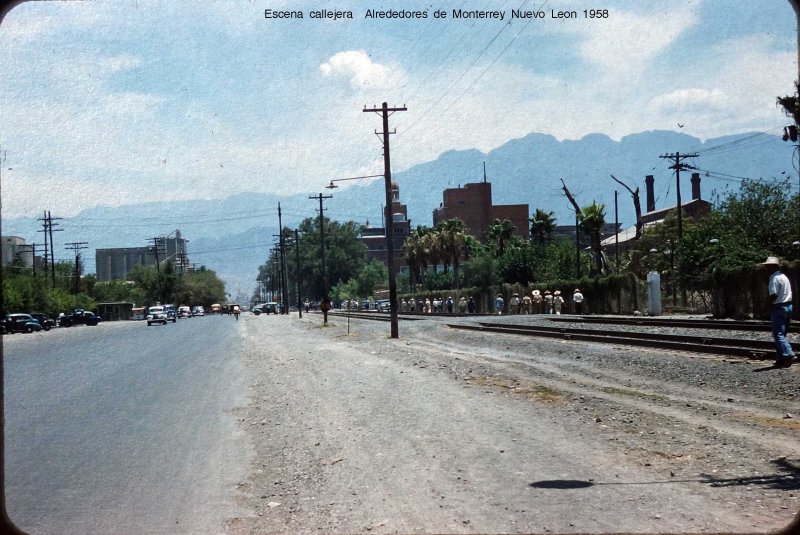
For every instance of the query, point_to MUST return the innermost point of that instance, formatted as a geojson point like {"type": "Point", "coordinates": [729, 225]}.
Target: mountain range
{"type": "Point", "coordinates": [233, 235]}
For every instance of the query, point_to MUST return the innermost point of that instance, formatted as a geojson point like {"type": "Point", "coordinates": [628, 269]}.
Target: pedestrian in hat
{"type": "Point", "coordinates": [514, 302]}
{"type": "Point", "coordinates": [577, 298]}
{"type": "Point", "coordinates": [537, 302]}
{"type": "Point", "coordinates": [548, 302]}
{"type": "Point", "coordinates": [558, 301]}
{"type": "Point", "coordinates": [780, 299]}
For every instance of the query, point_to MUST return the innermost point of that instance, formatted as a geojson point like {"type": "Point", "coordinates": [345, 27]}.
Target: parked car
{"type": "Point", "coordinates": [198, 311]}
{"type": "Point", "coordinates": [44, 320]}
{"type": "Point", "coordinates": [382, 305]}
{"type": "Point", "coordinates": [156, 314]}
{"type": "Point", "coordinates": [266, 308]}
{"type": "Point", "coordinates": [172, 314]}
{"type": "Point", "coordinates": [184, 312]}
{"type": "Point", "coordinates": [79, 317]}
{"type": "Point", "coordinates": [21, 323]}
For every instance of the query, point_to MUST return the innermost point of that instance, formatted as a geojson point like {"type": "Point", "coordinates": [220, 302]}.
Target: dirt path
{"type": "Point", "coordinates": [444, 431]}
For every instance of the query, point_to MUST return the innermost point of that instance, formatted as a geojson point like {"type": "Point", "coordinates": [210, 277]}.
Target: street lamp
{"type": "Point", "coordinates": [332, 185]}
{"type": "Point", "coordinates": [389, 247]}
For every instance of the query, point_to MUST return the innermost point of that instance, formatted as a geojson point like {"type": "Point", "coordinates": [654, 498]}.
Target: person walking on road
{"type": "Point", "coordinates": [558, 301]}
{"type": "Point", "coordinates": [471, 305]}
{"type": "Point", "coordinates": [499, 302]}
{"type": "Point", "coordinates": [577, 298]}
{"type": "Point", "coordinates": [526, 304]}
{"type": "Point", "coordinates": [462, 305]}
{"type": "Point", "coordinates": [514, 302]}
{"type": "Point", "coordinates": [548, 302]}
{"type": "Point", "coordinates": [537, 302]}
{"type": "Point", "coordinates": [780, 299]}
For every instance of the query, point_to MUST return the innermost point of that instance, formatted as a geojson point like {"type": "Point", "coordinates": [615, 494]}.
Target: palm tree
{"type": "Point", "coordinates": [542, 225]}
{"type": "Point", "coordinates": [500, 234]}
{"type": "Point", "coordinates": [452, 235]}
{"type": "Point", "coordinates": [592, 221]}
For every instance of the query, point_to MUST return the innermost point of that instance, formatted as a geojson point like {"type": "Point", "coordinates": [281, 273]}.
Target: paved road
{"type": "Point", "coordinates": [124, 428]}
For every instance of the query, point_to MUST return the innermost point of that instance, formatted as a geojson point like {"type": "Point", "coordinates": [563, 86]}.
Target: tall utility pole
{"type": "Point", "coordinates": [325, 299]}
{"type": "Point", "coordinates": [158, 268]}
{"type": "Point", "coordinates": [285, 278]}
{"type": "Point", "coordinates": [297, 271]}
{"type": "Point", "coordinates": [52, 253]}
{"type": "Point", "coordinates": [47, 224]}
{"type": "Point", "coordinates": [679, 166]}
{"type": "Point", "coordinates": [76, 248]}
{"type": "Point", "coordinates": [385, 111]}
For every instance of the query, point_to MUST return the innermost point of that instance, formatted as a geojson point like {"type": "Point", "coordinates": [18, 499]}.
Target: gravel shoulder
{"type": "Point", "coordinates": [448, 431]}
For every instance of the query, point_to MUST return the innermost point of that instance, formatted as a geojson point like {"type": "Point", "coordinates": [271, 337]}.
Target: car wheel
{"type": "Point", "coordinates": [28, 329]}
{"type": "Point", "coordinates": [46, 327]}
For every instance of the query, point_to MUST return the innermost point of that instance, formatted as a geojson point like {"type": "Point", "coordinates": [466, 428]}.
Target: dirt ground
{"type": "Point", "coordinates": [450, 431]}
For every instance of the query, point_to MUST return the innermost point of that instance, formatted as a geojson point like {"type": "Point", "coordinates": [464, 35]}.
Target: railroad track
{"type": "Point", "coordinates": [375, 316]}
{"type": "Point", "coordinates": [751, 349]}
{"type": "Point", "coordinates": [731, 325]}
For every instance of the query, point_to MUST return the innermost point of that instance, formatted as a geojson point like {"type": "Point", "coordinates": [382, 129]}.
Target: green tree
{"type": "Point", "coordinates": [371, 276]}
{"type": "Point", "coordinates": [542, 226]}
{"type": "Point", "coordinates": [500, 236]}
{"type": "Point", "coordinates": [592, 220]}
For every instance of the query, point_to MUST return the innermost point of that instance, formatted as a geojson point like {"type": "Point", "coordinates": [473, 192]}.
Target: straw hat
{"type": "Point", "coordinates": [557, 292]}
{"type": "Point", "coordinates": [577, 289]}
{"type": "Point", "coordinates": [771, 261]}
{"type": "Point", "coordinates": [536, 292]}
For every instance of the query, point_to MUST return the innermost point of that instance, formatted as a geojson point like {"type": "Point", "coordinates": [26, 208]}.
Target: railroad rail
{"type": "Point", "coordinates": [731, 325]}
{"type": "Point", "coordinates": [751, 349]}
{"type": "Point", "coordinates": [375, 316]}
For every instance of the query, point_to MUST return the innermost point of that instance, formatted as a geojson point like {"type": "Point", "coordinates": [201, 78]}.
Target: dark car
{"type": "Point", "coordinates": [44, 320]}
{"type": "Point", "coordinates": [79, 317]}
{"type": "Point", "coordinates": [266, 308]}
{"type": "Point", "coordinates": [21, 323]}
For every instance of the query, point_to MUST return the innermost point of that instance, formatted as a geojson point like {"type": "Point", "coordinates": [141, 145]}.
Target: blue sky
{"type": "Point", "coordinates": [122, 102]}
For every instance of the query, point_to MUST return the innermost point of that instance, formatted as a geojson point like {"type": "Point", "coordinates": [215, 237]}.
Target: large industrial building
{"type": "Point", "coordinates": [472, 204]}
{"type": "Point", "coordinates": [116, 263]}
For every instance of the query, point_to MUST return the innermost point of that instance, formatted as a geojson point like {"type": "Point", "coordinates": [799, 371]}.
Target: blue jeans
{"type": "Point", "coordinates": [779, 316]}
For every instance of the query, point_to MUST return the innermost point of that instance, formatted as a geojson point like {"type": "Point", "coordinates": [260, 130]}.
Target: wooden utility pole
{"type": "Point", "coordinates": [326, 302]}
{"type": "Point", "coordinates": [297, 271]}
{"type": "Point", "coordinates": [678, 166]}
{"type": "Point", "coordinates": [76, 247]}
{"type": "Point", "coordinates": [385, 111]}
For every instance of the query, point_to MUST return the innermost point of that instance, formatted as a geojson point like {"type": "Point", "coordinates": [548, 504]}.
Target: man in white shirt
{"type": "Point", "coordinates": [780, 298]}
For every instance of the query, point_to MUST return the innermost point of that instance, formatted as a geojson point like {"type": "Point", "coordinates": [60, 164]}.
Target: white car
{"type": "Point", "coordinates": [156, 314]}
{"type": "Point", "coordinates": [184, 312]}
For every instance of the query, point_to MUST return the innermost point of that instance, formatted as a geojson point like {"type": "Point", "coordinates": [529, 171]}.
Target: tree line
{"type": "Point", "coordinates": [742, 228]}
{"type": "Point", "coordinates": [26, 291]}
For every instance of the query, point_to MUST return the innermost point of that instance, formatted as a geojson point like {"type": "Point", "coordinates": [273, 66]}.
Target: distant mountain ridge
{"type": "Point", "coordinates": [233, 235]}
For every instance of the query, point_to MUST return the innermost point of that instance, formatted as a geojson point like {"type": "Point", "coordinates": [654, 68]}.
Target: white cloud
{"type": "Point", "coordinates": [628, 41]}
{"type": "Point", "coordinates": [690, 99]}
{"type": "Point", "coordinates": [362, 72]}
{"type": "Point", "coordinates": [122, 62]}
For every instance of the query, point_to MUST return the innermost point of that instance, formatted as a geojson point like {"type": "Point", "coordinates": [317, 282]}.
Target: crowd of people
{"type": "Point", "coordinates": [541, 302]}
{"type": "Point", "coordinates": [538, 302]}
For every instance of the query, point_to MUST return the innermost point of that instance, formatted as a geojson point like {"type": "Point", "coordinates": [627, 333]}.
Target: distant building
{"type": "Point", "coordinates": [375, 237]}
{"type": "Point", "coordinates": [472, 204]}
{"type": "Point", "coordinates": [116, 263]}
{"type": "Point", "coordinates": [14, 247]}
{"type": "Point", "coordinates": [697, 208]}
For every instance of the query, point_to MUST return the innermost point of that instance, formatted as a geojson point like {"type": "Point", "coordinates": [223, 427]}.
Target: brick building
{"type": "Point", "coordinates": [472, 204]}
{"type": "Point", "coordinates": [375, 237]}
{"type": "Point", "coordinates": [697, 208]}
